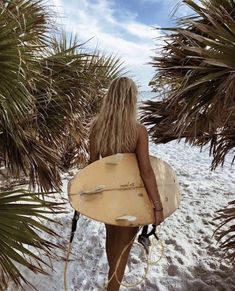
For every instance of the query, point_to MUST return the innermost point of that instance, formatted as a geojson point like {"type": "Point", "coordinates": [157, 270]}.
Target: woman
{"type": "Point", "coordinates": [116, 130]}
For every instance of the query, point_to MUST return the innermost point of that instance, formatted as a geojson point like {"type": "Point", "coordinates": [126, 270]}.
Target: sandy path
{"type": "Point", "coordinates": [192, 260]}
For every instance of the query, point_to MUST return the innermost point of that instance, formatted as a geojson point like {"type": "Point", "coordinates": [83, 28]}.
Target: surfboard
{"type": "Point", "coordinates": [111, 190]}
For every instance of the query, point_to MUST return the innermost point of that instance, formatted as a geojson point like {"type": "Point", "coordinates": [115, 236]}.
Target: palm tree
{"type": "Point", "coordinates": [75, 81]}
{"type": "Point", "coordinates": [24, 26]}
{"type": "Point", "coordinates": [23, 37]}
{"type": "Point", "coordinates": [48, 86]}
{"type": "Point", "coordinates": [49, 90]}
{"type": "Point", "coordinates": [197, 71]}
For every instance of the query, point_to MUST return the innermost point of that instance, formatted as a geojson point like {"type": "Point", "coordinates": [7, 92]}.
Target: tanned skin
{"type": "Point", "coordinates": [117, 237]}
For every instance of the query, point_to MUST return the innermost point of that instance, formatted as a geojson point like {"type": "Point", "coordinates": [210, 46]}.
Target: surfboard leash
{"type": "Point", "coordinates": [118, 263]}
{"type": "Point", "coordinates": [148, 256]}
{"type": "Point", "coordinates": [73, 229]}
{"type": "Point", "coordinates": [148, 253]}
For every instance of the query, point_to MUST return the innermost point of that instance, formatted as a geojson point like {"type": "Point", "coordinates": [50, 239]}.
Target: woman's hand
{"type": "Point", "coordinates": [158, 214]}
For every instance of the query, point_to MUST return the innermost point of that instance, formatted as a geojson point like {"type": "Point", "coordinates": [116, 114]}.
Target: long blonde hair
{"type": "Point", "coordinates": [115, 127]}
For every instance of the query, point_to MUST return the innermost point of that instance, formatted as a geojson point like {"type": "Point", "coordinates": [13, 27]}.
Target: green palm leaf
{"type": "Point", "coordinates": [23, 36]}
{"type": "Point", "coordinates": [20, 227]}
{"type": "Point", "coordinates": [226, 231]}
{"type": "Point", "coordinates": [197, 69]}
{"type": "Point", "coordinates": [49, 91]}
{"type": "Point", "coordinates": [74, 81]}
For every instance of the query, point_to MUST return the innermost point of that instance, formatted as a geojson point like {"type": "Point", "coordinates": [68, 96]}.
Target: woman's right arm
{"type": "Point", "coordinates": [147, 174]}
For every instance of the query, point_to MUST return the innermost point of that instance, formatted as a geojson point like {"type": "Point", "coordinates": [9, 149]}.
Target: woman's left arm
{"type": "Point", "coordinates": [94, 154]}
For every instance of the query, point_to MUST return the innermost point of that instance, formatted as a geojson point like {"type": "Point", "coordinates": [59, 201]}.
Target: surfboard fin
{"type": "Point", "coordinates": [129, 218]}
{"type": "Point", "coordinates": [98, 189]}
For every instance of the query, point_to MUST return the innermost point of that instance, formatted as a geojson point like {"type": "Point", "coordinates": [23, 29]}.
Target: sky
{"type": "Point", "coordinates": [124, 28]}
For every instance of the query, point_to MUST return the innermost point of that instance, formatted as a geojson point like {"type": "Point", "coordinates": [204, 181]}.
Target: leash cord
{"type": "Point", "coordinates": [148, 261]}
{"type": "Point", "coordinates": [117, 265]}
{"type": "Point", "coordinates": [147, 257]}
{"type": "Point", "coordinates": [66, 266]}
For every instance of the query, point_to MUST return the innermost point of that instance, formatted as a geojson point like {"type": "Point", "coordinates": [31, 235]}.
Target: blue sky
{"type": "Point", "coordinates": [120, 27]}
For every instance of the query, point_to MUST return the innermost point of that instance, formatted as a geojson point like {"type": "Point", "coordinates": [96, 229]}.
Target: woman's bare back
{"type": "Point", "coordinates": [142, 153]}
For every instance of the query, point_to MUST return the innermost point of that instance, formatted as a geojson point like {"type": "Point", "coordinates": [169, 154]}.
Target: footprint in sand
{"type": "Point", "coordinates": [180, 261]}
{"type": "Point", "coordinates": [169, 259]}
{"type": "Point", "coordinates": [170, 241]}
{"type": "Point", "coordinates": [180, 249]}
{"type": "Point", "coordinates": [201, 231]}
{"type": "Point", "coordinates": [177, 247]}
{"type": "Point", "coordinates": [189, 219]}
{"type": "Point", "coordinates": [205, 221]}
{"type": "Point", "coordinates": [212, 265]}
{"type": "Point", "coordinates": [172, 270]}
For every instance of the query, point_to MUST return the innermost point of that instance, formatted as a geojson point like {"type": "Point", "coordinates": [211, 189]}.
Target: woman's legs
{"type": "Point", "coordinates": [117, 238]}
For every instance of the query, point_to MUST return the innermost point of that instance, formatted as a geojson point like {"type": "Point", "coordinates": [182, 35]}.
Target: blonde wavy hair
{"type": "Point", "coordinates": [115, 127]}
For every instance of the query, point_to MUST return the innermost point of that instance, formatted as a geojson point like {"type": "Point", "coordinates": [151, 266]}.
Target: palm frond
{"type": "Point", "coordinates": [196, 68]}
{"type": "Point", "coordinates": [23, 36]}
{"type": "Point", "coordinates": [22, 221]}
{"type": "Point", "coordinates": [74, 82]}
{"type": "Point", "coordinates": [48, 93]}
{"type": "Point", "coordinates": [196, 73]}
{"type": "Point", "coordinates": [50, 88]}
{"type": "Point", "coordinates": [226, 230]}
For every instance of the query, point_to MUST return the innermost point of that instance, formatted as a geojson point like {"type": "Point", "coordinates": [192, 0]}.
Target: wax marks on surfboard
{"type": "Point", "coordinates": [110, 160]}
{"type": "Point", "coordinates": [112, 188]}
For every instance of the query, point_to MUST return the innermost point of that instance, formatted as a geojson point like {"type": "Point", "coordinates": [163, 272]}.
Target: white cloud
{"type": "Point", "coordinates": [140, 30]}
{"type": "Point", "coordinates": [127, 38]}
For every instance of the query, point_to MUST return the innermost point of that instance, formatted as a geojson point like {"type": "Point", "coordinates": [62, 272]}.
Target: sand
{"type": "Point", "coordinates": [191, 259]}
